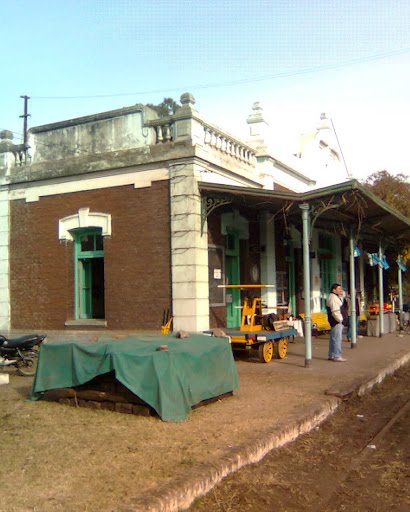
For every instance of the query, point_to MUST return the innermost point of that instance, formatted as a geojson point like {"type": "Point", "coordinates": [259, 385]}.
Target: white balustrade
{"type": "Point", "coordinates": [164, 133]}
{"type": "Point", "coordinates": [213, 137]}
{"type": "Point", "coordinates": [228, 145]}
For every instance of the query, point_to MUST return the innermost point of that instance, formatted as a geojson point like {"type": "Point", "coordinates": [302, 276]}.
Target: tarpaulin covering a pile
{"type": "Point", "coordinates": [171, 381]}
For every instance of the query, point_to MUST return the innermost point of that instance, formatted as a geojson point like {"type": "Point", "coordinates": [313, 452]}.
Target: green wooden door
{"type": "Point", "coordinates": [86, 288]}
{"type": "Point", "coordinates": [327, 278]}
{"type": "Point", "coordinates": [327, 265]}
{"type": "Point", "coordinates": [89, 275]}
{"type": "Point", "coordinates": [233, 295]}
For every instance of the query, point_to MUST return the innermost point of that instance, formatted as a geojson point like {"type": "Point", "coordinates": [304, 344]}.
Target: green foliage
{"type": "Point", "coordinates": [166, 108]}
{"type": "Point", "coordinates": [394, 190]}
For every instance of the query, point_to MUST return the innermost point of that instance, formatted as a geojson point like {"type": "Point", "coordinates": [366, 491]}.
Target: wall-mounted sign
{"type": "Point", "coordinates": [216, 258]}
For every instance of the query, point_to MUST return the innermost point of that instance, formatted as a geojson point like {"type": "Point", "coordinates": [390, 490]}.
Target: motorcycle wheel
{"type": "Point", "coordinates": [27, 367]}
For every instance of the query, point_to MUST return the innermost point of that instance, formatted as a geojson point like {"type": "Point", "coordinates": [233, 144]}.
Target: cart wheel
{"type": "Point", "coordinates": [265, 351]}
{"type": "Point", "coordinates": [281, 348]}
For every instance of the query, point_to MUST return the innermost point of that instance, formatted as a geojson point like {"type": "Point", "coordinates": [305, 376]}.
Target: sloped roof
{"type": "Point", "coordinates": [336, 208]}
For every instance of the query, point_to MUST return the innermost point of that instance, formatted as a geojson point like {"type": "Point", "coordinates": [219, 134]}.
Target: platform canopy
{"type": "Point", "coordinates": [336, 208]}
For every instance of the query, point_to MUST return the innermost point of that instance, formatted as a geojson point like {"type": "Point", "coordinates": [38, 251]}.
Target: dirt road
{"type": "Point", "coordinates": [358, 460]}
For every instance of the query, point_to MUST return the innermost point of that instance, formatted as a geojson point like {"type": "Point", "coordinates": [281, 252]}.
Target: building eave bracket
{"type": "Point", "coordinates": [209, 204]}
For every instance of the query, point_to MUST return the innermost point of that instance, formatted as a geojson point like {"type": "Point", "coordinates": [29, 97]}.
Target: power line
{"type": "Point", "coordinates": [20, 135]}
{"type": "Point", "coordinates": [285, 74]}
{"type": "Point", "coordinates": [341, 151]}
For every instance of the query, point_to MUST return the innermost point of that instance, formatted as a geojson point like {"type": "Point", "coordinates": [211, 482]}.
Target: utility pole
{"type": "Point", "coordinates": [25, 116]}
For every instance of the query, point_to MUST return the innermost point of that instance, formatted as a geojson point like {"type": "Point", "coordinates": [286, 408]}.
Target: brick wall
{"type": "Point", "coordinates": [136, 258]}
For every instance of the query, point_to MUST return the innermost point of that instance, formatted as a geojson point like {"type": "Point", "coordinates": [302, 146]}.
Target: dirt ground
{"type": "Point", "coordinates": [56, 458]}
{"type": "Point", "coordinates": [349, 463]}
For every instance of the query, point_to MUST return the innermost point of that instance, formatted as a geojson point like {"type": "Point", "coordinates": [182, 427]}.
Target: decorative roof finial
{"type": "Point", "coordinates": [187, 99]}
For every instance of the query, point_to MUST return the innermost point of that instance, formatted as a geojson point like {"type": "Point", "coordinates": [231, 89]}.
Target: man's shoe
{"type": "Point", "coordinates": [339, 360]}
{"type": "Point", "coordinates": [330, 358]}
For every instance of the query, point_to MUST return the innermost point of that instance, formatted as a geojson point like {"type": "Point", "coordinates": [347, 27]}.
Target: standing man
{"type": "Point", "coordinates": [336, 316]}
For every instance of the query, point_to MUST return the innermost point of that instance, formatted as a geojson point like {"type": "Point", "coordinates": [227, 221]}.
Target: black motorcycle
{"type": "Point", "coordinates": [22, 352]}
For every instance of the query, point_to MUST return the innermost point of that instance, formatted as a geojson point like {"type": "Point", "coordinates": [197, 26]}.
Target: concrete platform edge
{"type": "Point", "coordinates": [389, 370]}
{"type": "Point", "coordinates": [179, 494]}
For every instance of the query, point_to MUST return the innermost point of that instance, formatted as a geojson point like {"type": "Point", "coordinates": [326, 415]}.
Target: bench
{"type": "Point", "coordinates": [320, 322]}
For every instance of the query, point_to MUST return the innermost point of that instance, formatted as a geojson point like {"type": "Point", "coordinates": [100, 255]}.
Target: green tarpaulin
{"type": "Point", "coordinates": [193, 369]}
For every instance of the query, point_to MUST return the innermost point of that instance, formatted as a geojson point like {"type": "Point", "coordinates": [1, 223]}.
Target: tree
{"type": "Point", "coordinates": [166, 108]}
{"type": "Point", "coordinates": [394, 190]}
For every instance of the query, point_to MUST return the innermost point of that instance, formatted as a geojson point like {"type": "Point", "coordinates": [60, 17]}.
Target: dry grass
{"type": "Point", "coordinates": [55, 457]}
{"type": "Point", "coordinates": [58, 458]}
{"type": "Point", "coordinates": [69, 459]}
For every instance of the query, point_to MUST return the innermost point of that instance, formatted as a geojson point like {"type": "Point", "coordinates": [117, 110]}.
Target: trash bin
{"type": "Point", "coordinates": [392, 322]}
{"type": "Point", "coordinates": [373, 327]}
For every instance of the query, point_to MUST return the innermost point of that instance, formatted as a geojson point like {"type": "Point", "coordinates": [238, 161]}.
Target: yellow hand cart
{"type": "Point", "coordinates": [253, 335]}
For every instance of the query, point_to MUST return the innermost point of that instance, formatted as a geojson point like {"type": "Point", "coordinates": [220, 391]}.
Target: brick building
{"type": "Point", "coordinates": [111, 219]}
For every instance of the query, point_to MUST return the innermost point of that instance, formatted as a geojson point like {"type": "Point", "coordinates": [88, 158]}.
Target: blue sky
{"type": "Point", "coordinates": [349, 58]}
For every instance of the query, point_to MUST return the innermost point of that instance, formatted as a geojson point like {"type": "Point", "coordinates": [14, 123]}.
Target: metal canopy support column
{"type": "Point", "coordinates": [399, 281]}
{"type": "Point", "coordinates": [363, 296]}
{"type": "Point", "coordinates": [381, 293]}
{"type": "Point", "coordinates": [353, 315]}
{"type": "Point", "coordinates": [306, 284]}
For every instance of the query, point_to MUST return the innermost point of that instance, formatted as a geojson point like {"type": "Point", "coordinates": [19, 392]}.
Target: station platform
{"type": "Point", "coordinates": [275, 403]}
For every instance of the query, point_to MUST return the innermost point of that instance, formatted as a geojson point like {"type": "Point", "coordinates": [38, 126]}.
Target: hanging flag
{"type": "Point", "coordinates": [377, 260]}
{"type": "Point", "coordinates": [402, 266]}
{"type": "Point", "coordinates": [372, 262]}
{"type": "Point", "coordinates": [386, 266]}
{"type": "Point", "coordinates": [356, 252]}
